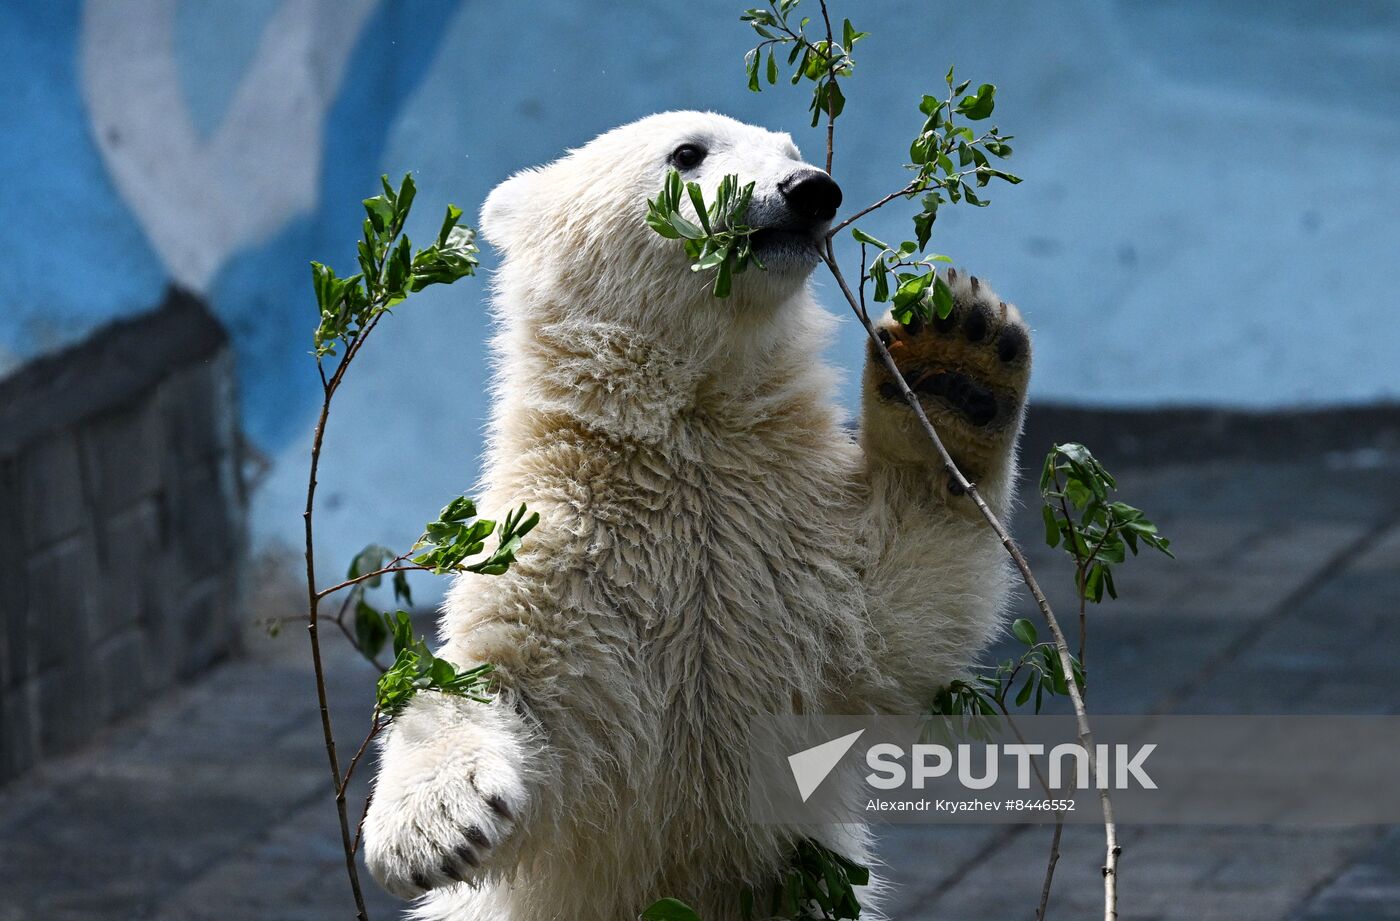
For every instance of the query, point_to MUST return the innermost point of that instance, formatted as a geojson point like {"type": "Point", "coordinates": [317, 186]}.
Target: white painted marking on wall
{"type": "Point", "coordinates": [200, 201]}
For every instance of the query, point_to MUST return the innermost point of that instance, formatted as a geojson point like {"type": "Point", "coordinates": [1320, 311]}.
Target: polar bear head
{"type": "Point", "coordinates": [574, 238]}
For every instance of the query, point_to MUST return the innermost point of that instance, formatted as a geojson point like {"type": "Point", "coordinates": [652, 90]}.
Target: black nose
{"type": "Point", "coordinates": [812, 194]}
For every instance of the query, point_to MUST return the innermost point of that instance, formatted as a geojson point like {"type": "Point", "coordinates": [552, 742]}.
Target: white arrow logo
{"type": "Point", "coordinates": [810, 766]}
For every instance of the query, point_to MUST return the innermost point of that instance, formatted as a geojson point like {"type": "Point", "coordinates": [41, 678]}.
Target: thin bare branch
{"type": "Point", "coordinates": [376, 726]}
{"type": "Point", "coordinates": [1050, 868]}
{"type": "Point", "coordinates": [911, 187]}
{"type": "Point", "coordinates": [312, 628]}
{"type": "Point", "coordinates": [393, 567]}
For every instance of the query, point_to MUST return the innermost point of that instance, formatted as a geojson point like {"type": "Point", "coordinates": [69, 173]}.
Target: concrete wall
{"type": "Point", "coordinates": [121, 525]}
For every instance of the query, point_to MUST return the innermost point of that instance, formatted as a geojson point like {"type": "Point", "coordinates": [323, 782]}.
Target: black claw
{"type": "Point", "coordinates": [499, 807]}
{"type": "Point", "coordinates": [952, 275]}
{"type": "Point", "coordinates": [466, 855]}
{"type": "Point", "coordinates": [1011, 344]}
{"type": "Point", "coordinates": [478, 837]}
{"type": "Point", "coordinates": [449, 869]}
{"type": "Point", "coordinates": [421, 880]}
{"type": "Point", "coordinates": [975, 284]}
{"type": "Point", "coordinates": [977, 323]}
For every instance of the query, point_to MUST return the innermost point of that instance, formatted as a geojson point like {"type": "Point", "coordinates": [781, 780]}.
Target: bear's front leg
{"type": "Point", "coordinates": [451, 794]}
{"type": "Point", "coordinates": [937, 578]}
{"type": "Point", "coordinates": [969, 371]}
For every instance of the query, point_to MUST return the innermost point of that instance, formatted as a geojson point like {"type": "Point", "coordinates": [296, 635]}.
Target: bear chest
{"type": "Point", "coordinates": [736, 578]}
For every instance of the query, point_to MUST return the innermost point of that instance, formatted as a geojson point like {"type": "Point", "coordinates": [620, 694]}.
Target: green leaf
{"type": "Point", "coordinates": [697, 198]}
{"type": "Point", "coordinates": [669, 910]}
{"type": "Point", "coordinates": [942, 298]}
{"type": "Point", "coordinates": [1026, 688]}
{"type": "Point", "coordinates": [1052, 525]}
{"type": "Point", "coordinates": [659, 222]}
{"type": "Point", "coordinates": [1024, 631]}
{"type": "Point", "coordinates": [772, 68]}
{"type": "Point", "coordinates": [370, 630]}
{"type": "Point", "coordinates": [980, 105]}
{"type": "Point", "coordinates": [372, 558]}
{"type": "Point", "coordinates": [711, 260]}
{"type": "Point", "coordinates": [864, 237]}
{"type": "Point", "coordinates": [404, 201]}
{"type": "Point", "coordinates": [685, 228]}
{"type": "Point", "coordinates": [448, 222]}
{"type": "Point", "coordinates": [911, 290]}
{"type": "Point", "coordinates": [880, 273]}
{"type": "Point", "coordinates": [402, 593]}
{"type": "Point", "coordinates": [380, 212]}
{"type": "Point", "coordinates": [724, 279]}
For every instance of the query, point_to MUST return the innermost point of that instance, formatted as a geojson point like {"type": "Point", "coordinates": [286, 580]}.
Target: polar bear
{"type": "Point", "coordinates": [714, 543]}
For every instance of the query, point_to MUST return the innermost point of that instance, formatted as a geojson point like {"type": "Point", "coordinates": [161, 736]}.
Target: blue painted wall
{"type": "Point", "coordinates": [1209, 213]}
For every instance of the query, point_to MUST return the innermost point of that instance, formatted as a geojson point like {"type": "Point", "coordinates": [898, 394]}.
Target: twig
{"type": "Point", "coordinates": [391, 568]}
{"type": "Point", "coordinates": [360, 826]}
{"type": "Point", "coordinates": [376, 725]}
{"type": "Point", "coordinates": [312, 617]}
{"type": "Point", "coordinates": [911, 187]}
{"type": "Point", "coordinates": [1050, 868]}
{"type": "Point", "coordinates": [955, 476]}
{"type": "Point", "coordinates": [1059, 813]}
{"type": "Point", "coordinates": [830, 84]}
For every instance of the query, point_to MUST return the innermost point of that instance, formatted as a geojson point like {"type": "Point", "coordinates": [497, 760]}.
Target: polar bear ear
{"type": "Point", "coordinates": [506, 208]}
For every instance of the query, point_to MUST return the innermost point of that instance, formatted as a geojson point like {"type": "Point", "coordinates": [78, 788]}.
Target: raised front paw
{"type": "Point", "coordinates": [969, 371]}
{"type": "Point", "coordinates": [447, 805]}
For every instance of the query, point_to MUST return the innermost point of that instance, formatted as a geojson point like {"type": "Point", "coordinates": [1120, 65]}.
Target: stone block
{"type": "Point", "coordinates": [135, 570]}
{"type": "Point", "coordinates": [63, 586]}
{"type": "Point", "coordinates": [68, 708]}
{"type": "Point", "coordinates": [207, 529]}
{"type": "Point", "coordinates": [119, 676]}
{"type": "Point", "coordinates": [201, 409]}
{"type": "Point", "coordinates": [53, 502]}
{"type": "Point", "coordinates": [124, 448]}
{"type": "Point", "coordinates": [204, 629]}
{"type": "Point", "coordinates": [17, 730]}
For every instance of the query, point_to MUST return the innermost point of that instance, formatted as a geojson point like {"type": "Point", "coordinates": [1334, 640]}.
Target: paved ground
{"type": "Point", "coordinates": [1282, 600]}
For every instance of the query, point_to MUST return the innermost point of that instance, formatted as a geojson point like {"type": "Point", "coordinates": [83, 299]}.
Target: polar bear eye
{"type": "Point", "coordinates": [688, 156]}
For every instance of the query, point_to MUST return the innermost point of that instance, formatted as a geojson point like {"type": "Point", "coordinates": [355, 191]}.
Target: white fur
{"type": "Point", "coordinates": [713, 544]}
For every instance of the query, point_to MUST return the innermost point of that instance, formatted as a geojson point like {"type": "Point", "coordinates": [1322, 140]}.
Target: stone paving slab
{"type": "Point", "coordinates": [1313, 634]}
{"type": "Point", "coordinates": [213, 805]}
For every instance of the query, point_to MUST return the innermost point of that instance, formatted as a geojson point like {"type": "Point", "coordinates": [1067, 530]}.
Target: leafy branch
{"type": "Point", "coordinates": [350, 308]}
{"type": "Point", "coordinates": [722, 240]}
{"type": "Point", "coordinates": [1096, 532]}
{"type": "Point", "coordinates": [416, 669]}
{"type": "Point", "coordinates": [819, 61]}
{"type": "Point", "coordinates": [987, 694]}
